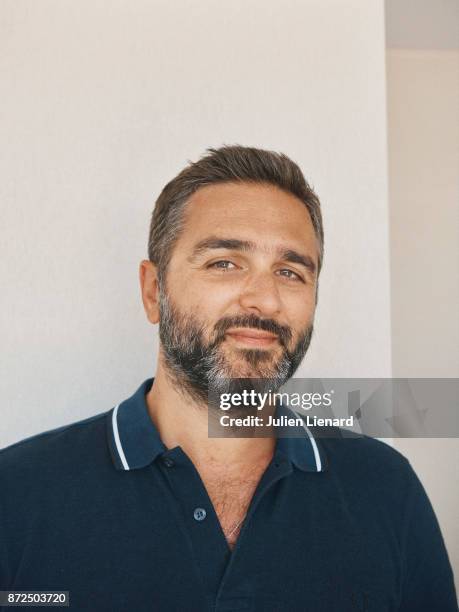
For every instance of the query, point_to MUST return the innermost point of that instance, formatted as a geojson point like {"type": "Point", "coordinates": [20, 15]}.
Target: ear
{"type": "Point", "coordinates": [148, 275]}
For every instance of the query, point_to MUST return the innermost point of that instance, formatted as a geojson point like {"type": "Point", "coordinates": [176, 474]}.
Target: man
{"type": "Point", "coordinates": [139, 509]}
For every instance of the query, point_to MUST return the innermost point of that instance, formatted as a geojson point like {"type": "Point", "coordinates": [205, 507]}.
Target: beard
{"type": "Point", "coordinates": [202, 369]}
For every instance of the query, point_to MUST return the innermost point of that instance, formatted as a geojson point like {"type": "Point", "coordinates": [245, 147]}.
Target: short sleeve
{"type": "Point", "coordinates": [427, 581]}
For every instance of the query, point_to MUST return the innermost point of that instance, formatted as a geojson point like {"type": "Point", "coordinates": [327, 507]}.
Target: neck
{"type": "Point", "coordinates": [183, 422]}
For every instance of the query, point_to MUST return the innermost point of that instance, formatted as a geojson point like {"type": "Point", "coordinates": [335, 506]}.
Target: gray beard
{"type": "Point", "coordinates": [200, 371]}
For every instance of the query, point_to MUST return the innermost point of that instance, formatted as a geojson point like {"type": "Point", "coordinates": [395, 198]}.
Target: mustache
{"type": "Point", "coordinates": [283, 332]}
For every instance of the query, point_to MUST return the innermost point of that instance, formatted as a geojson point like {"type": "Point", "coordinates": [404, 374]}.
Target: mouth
{"type": "Point", "coordinates": [252, 337]}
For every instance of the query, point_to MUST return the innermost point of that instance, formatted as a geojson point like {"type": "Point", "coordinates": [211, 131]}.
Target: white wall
{"type": "Point", "coordinates": [423, 105]}
{"type": "Point", "coordinates": [103, 103]}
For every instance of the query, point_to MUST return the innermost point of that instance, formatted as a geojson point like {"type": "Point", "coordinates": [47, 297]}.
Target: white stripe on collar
{"type": "Point", "coordinates": [315, 449]}
{"type": "Point", "coordinates": [116, 434]}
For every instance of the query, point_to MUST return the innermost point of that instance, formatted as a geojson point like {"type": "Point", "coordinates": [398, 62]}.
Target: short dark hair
{"type": "Point", "coordinates": [228, 164]}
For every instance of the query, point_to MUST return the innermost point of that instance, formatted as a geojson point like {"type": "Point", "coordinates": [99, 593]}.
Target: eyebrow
{"type": "Point", "coordinates": [233, 244]}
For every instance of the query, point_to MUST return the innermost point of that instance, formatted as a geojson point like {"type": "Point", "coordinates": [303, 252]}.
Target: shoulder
{"type": "Point", "coordinates": [55, 448]}
{"type": "Point", "coordinates": [353, 449]}
{"type": "Point", "coordinates": [358, 460]}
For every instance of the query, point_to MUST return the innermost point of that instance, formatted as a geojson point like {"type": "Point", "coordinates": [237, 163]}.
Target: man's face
{"type": "Point", "coordinates": [240, 287]}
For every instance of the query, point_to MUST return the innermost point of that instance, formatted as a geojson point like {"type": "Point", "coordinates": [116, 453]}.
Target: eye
{"type": "Point", "coordinates": [290, 275]}
{"type": "Point", "coordinates": [222, 264]}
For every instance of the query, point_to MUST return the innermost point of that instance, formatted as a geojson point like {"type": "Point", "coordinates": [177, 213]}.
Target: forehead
{"type": "Point", "coordinates": [262, 213]}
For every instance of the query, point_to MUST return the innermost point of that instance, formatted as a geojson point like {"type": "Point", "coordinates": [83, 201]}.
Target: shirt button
{"type": "Point", "coordinates": [168, 462]}
{"type": "Point", "coordinates": [199, 514]}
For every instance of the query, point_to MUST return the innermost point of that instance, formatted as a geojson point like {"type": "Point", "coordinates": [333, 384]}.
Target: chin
{"type": "Point", "coordinates": [247, 371]}
{"type": "Point", "coordinates": [251, 363]}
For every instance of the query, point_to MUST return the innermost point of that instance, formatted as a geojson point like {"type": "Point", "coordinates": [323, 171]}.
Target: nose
{"type": "Point", "coordinates": [260, 295]}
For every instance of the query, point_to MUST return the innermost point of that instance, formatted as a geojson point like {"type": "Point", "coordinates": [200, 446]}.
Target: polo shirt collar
{"type": "Point", "coordinates": [299, 445]}
{"type": "Point", "coordinates": [134, 441]}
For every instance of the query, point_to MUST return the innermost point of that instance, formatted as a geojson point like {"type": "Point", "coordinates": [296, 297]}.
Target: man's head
{"type": "Point", "coordinates": [235, 249]}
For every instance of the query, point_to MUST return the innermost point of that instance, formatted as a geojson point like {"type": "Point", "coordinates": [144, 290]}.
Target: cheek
{"type": "Point", "coordinates": [206, 308]}
{"type": "Point", "coordinates": [300, 310]}
{"type": "Point", "coordinates": [206, 303]}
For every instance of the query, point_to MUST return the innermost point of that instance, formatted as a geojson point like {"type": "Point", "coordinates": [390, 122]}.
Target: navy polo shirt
{"type": "Point", "coordinates": [102, 509]}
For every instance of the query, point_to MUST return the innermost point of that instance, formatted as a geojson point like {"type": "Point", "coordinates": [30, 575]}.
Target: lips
{"type": "Point", "coordinates": [252, 336]}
